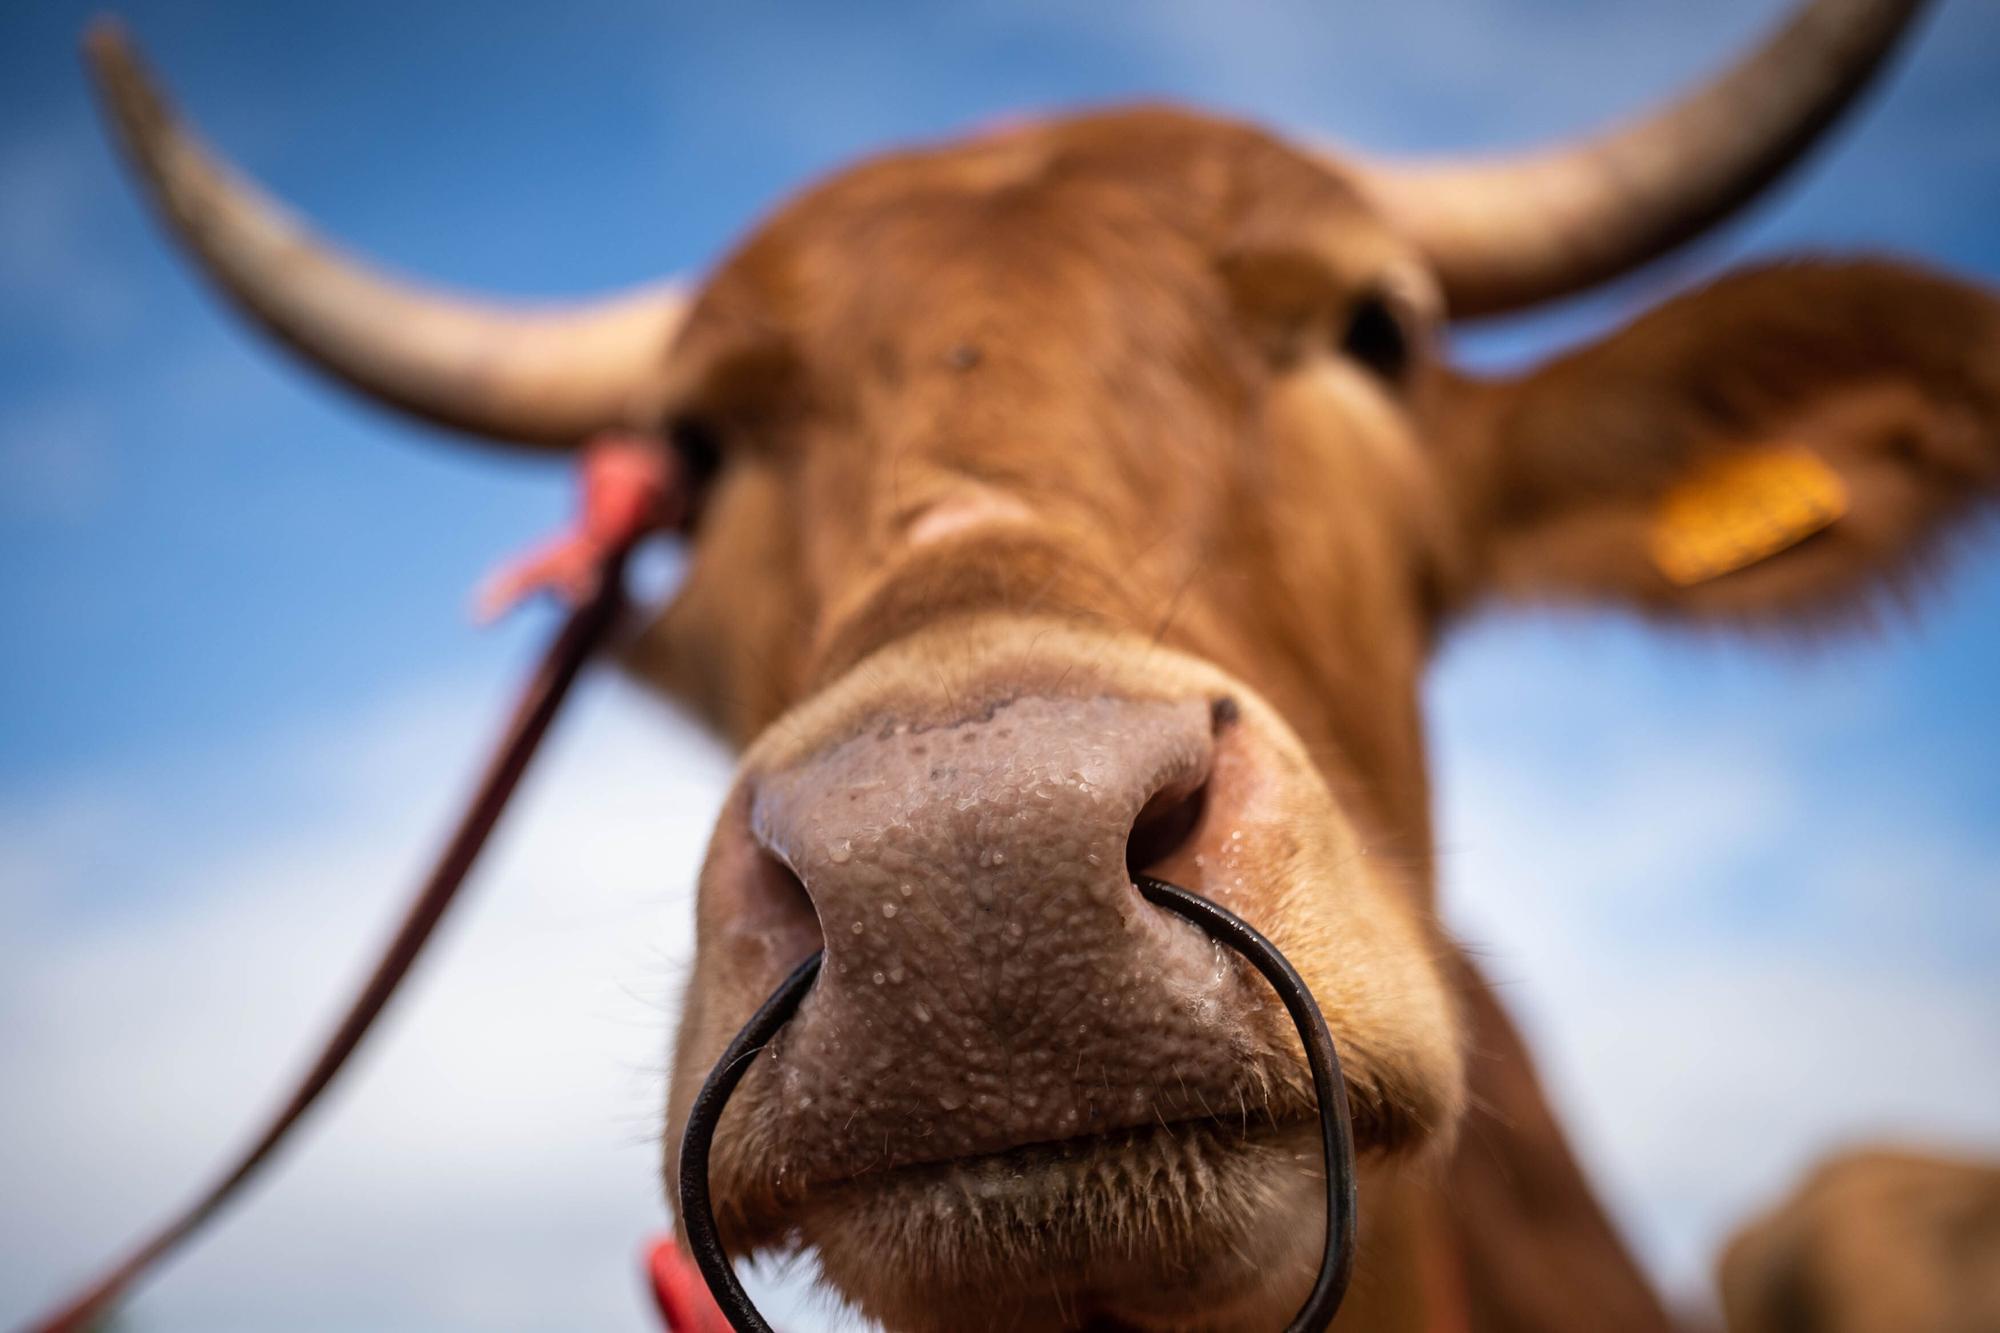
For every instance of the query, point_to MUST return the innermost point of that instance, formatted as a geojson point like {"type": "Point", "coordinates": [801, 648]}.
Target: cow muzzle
{"type": "Point", "coordinates": [1008, 1051]}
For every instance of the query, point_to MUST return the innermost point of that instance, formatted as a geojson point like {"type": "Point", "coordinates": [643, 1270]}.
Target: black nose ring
{"type": "Point", "coordinates": [1336, 1131]}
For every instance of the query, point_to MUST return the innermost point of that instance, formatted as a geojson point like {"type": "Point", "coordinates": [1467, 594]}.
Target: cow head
{"type": "Point", "coordinates": [1084, 499]}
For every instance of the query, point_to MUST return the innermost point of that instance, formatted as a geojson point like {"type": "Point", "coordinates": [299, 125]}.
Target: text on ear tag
{"type": "Point", "coordinates": [1738, 509]}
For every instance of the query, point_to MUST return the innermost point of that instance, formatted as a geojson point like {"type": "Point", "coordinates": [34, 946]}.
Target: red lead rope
{"type": "Point", "coordinates": [631, 487]}
{"type": "Point", "coordinates": [681, 1292]}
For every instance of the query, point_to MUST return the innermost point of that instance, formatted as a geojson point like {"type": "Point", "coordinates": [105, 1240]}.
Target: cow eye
{"type": "Point", "coordinates": [1375, 337]}
{"type": "Point", "coordinates": [698, 440]}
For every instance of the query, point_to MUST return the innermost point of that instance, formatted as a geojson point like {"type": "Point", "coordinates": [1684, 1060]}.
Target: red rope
{"type": "Point", "coordinates": [681, 1292]}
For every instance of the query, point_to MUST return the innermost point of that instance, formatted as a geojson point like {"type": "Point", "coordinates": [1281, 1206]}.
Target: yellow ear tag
{"type": "Point", "coordinates": [1742, 507]}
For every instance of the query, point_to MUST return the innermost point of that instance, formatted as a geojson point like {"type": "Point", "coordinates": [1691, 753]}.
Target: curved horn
{"type": "Point", "coordinates": [546, 377]}
{"type": "Point", "coordinates": [1510, 231]}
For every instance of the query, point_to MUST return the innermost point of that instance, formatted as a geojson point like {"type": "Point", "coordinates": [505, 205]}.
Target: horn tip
{"type": "Point", "coordinates": [107, 43]}
{"type": "Point", "coordinates": [127, 93]}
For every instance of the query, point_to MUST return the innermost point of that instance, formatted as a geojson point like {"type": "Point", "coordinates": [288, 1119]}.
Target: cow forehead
{"type": "Point", "coordinates": [1033, 212]}
{"type": "Point", "coordinates": [1034, 294]}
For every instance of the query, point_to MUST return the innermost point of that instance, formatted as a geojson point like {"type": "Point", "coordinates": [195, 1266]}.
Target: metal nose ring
{"type": "Point", "coordinates": [1336, 1130]}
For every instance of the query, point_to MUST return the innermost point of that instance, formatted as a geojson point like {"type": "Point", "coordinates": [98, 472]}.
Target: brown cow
{"type": "Point", "coordinates": [1085, 498]}
{"type": "Point", "coordinates": [1874, 1242]}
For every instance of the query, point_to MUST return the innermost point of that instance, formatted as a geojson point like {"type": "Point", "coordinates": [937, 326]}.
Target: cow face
{"type": "Point", "coordinates": [1062, 596]}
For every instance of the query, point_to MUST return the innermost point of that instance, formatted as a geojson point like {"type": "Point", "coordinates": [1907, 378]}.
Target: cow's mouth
{"type": "Point", "coordinates": [1124, 1230]}
{"type": "Point", "coordinates": [1011, 1198]}
{"type": "Point", "coordinates": [1035, 1194]}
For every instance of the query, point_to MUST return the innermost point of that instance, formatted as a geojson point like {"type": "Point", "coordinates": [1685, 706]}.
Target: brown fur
{"type": "Point", "coordinates": [1877, 1241]}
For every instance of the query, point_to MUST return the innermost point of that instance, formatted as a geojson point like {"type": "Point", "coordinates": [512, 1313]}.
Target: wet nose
{"type": "Point", "coordinates": [992, 977]}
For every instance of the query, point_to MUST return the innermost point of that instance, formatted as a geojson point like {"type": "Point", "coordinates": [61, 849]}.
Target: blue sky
{"type": "Point", "coordinates": [240, 691]}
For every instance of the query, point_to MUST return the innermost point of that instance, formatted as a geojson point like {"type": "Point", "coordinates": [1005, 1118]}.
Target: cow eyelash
{"type": "Point", "coordinates": [1376, 338]}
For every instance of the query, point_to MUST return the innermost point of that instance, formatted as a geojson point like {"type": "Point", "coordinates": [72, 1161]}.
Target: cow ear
{"type": "Point", "coordinates": [1776, 447]}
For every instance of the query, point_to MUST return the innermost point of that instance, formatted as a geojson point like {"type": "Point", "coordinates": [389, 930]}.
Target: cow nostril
{"type": "Point", "coordinates": [779, 904]}
{"type": "Point", "coordinates": [1164, 826]}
